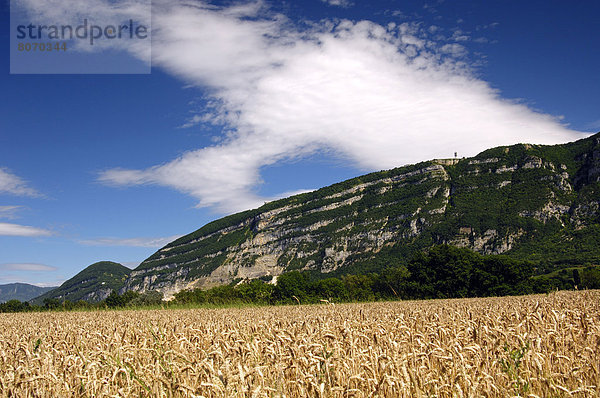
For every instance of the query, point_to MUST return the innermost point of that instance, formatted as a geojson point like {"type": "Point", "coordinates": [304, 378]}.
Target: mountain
{"type": "Point", "coordinates": [532, 202]}
{"type": "Point", "coordinates": [21, 291]}
{"type": "Point", "coordinates": [92, 284]}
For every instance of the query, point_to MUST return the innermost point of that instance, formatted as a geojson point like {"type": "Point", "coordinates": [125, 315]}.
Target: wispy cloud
{"type": "Point", "coordinates": [374, 96]}
{"type": "Point", "coordinates": [339, 3]}
{"type": "Point", "coordinates": [458, 35]}
{"type": "Point", "coordinates": [132, 242]}
{"type": "Point", "coordinates": [492, 25]}
{"type": "Point", "coordinates": [454, 49]}
{"type": "Point", "coordinates": [33, 273]}
{"type": "Point", "coordinates": [27, 267]}
{"type": "Point", "coordinates": [7, 229]}
{"type": "Point", "coordinates": [9, 212]}
{"type": "Point", "coordinates": [14, 185]}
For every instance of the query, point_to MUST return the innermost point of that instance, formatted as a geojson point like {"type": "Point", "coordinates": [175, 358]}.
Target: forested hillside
{"type": "Point", "coordinates": [528, 202]}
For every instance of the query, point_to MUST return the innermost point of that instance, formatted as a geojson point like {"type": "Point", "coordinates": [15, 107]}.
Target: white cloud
{"type": "Point", "coordinates": [455, 50]}
{"type": "Point", "coordinates": [194, 120]}
{"type": "Point", "coordinates": [338, 3]}
{"type": "Point", "coordinates": [376, 97]}
{"type": "Point", "coordinates": [131, 264]}
{"type": "Point", "coordinates": [459, 35]}
{"type": "Point", "coordinates": [97, 12]}
{"type": "Point", "coordinates": [492, 25]}
{"type": "Point", "coordinates": [56, 282]}
{"type": "Point", "coordinates": [7, 229]}
{"type": "Point", "coordinates": [27, 267]}
{"type": "Point", "coordinates": [292, 193]}
{"type": "Point", "coordinates": [132, 242]}
{"type": "Point", "coordinates": [9, 212]}
{"type": "Point", "coordinates": [31, 273]}
{"type": "Point", "coordinates": [14, 185]}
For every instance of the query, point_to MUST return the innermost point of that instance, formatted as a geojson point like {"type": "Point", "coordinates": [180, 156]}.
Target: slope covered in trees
{"type": "Point", "coordinates": [21, 291]}
{"type": "Point", "coordinates": [92, 284]}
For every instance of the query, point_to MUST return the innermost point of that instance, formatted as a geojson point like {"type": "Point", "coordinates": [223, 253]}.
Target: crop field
{"type": "Point", "coordinates": [533, 346]}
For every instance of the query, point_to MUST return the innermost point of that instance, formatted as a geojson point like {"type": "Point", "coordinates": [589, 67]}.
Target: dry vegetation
{"type": "Point", "coordinates": [544, 346]}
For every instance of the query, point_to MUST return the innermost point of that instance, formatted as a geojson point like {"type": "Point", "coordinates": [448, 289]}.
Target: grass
{"type": "Point", "coordinates": [530, 346]}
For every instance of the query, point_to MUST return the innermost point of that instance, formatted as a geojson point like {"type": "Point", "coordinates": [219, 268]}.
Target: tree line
{"type": "Point", "coordinates": [114, 300]}
{"type": "Point", "coordinates": [442, 272]}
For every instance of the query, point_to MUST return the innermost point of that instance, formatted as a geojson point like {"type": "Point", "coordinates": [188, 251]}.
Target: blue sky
{"type": "Point", "coordinates": [247, 102]}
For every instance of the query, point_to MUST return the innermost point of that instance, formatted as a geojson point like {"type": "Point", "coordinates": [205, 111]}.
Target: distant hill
{"type": "Point", "coordinates": [529, 202]}
{"type": "Point", "coordinates": [21, 291]}
{"type": "Point", "coordinates": [92, 284]}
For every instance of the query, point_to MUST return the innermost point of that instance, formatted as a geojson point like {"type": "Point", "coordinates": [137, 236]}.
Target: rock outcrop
{"type": "Point", "coordinates": [506, 200]}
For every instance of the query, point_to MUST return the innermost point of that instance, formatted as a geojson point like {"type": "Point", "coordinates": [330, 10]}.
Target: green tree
{"type": "Point", "coordinates": [255, 291]}
{"type": "Point", "coordinates": [591, 277]}
{"type": "Point", "coordinates": [392, 282]}
{"type": "Point", "coordinates": [576, 277]}
{"type": "Point", "coordinates": [222, 295]}
{"type": "Point", "coordinates": [330, 288]}
{"type": "Point", "coordinates": [51, 303]}
{"type": "Point", "coordinates": [293, 284]}
{"type": "Point", "coordinates": [114, 300]}
{"type": "Point", "coordinates": [194, 296]}
{"type": "Point", "coordinates": [15, 306]}
{"type": "Point", "coordinates": [149, 298]}
{"type": "Point", "coordinates": [359, 287]}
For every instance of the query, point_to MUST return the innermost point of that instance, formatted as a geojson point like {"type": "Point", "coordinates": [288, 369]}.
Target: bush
{"type": "Point", "coordinates": [150, 298]}
{"type": "Point", "coordinates": [51, 303]}
{"type": "Point", "coordinates": [591, 277]}
{"type": "Point", "coordinates": [255, 291]}
{"type": "Point", "coordinates": [293, 285]}
{"type": "Point", "coordinates": [14, 306]}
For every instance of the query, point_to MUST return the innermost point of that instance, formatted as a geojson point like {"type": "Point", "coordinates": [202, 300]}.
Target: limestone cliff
{"type": "Point", "coordinates": [513, 200]}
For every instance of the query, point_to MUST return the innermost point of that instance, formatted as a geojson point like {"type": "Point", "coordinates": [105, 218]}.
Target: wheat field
{"type": "Point", "coordinates": [533, 346]}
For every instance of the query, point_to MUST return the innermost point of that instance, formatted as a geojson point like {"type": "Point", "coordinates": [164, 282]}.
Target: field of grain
{"type": "Point", "coordinates": [535, 346]}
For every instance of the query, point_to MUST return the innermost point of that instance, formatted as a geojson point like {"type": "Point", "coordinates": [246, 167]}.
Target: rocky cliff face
{"type": "Point", "coordinates": [510, 200]}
